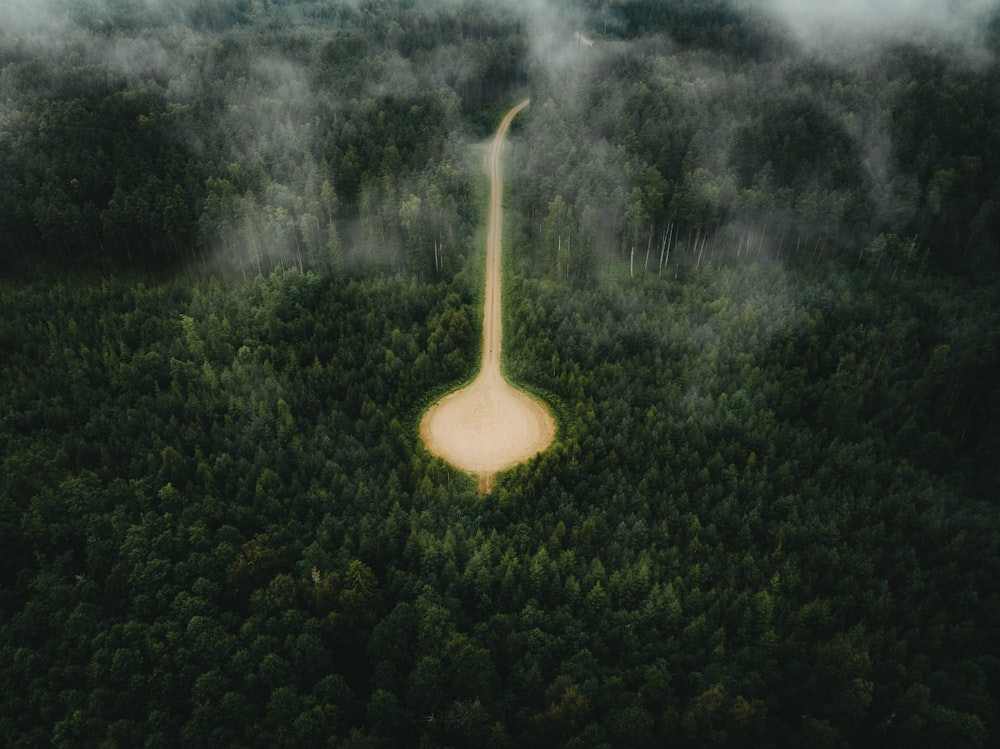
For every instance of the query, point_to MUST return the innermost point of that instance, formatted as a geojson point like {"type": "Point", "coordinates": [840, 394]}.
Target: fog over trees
{"type": "Point", "coordinates": [751, 260]}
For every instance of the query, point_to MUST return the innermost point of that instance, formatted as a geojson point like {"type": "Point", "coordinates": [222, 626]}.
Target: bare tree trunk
{"type": "Point", "coordinates": [663, 246]}
{"type": "Point", "coordinates": [631, 263]}
{"type": "Point", "coordinates": [569, 254]}
{"type": "Point", "coordinates": [878, 364]}
{"type": "Point", "coordinates": [298, 250]}
{"type": "Point", "coordinates": [238, 255]}
{"type": "Point", "coordinates": [255, 249]}
{"type": "Point", "coordinates": [954, 400]}
{"type": "Point", "coordinates": [649, 246]}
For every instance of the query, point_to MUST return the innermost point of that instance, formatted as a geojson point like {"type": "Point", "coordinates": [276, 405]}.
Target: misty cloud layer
{"type": "Point", "coordinates": [26, 16]}
{"type": "Point", "coordinates": [283, 96]}
{"type": "Point", "coordinates": [846, 25]}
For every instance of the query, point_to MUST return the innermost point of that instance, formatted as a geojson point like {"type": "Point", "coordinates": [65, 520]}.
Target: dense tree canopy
{"type": "Point", "coordinates": [302, 133]}
{"type": "Point", "coordinates": [255, 146]}
{"type": "Point", "coordinates": [756, 283]}
{"type": "Point", "coordinates": [770, 515]}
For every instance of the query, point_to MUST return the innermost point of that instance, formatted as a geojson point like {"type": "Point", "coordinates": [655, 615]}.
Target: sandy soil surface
{"type": "Point", "coordinates": [489, 426]}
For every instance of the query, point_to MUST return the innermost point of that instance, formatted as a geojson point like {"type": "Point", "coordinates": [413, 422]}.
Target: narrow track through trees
{"type": "Point", "coordinates": [489, 425]}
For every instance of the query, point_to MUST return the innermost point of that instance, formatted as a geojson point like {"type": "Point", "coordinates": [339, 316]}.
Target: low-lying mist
{"type": "Point", "coordinates": [308, 133]}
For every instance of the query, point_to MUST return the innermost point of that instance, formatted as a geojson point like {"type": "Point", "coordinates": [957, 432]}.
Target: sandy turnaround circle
{"type": "Point", "coordinates": [489, 425]}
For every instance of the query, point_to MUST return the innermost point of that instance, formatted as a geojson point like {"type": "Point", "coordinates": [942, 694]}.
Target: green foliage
{"type": "Point", "coordinates": [768, 518]}
{"type": "Point", "coordinates": [692, 152]}
{"type": "Point", "coordinates": [268, 139]}
{"type": "Point", "coordinates": [755, 284]}
{"type": "Point", "coordinates": [299, 134]}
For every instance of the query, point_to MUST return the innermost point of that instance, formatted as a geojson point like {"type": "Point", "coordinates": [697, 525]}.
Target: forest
{"type": "Point", "coordinates": [751, 263]}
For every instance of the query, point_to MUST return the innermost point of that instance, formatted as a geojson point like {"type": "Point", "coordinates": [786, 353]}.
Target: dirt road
{"type": "Point", "coordinates": [489, 426]}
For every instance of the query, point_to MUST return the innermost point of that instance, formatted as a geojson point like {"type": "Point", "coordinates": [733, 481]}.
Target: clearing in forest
{"type": "Point", "coordinates": [489, 425]}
